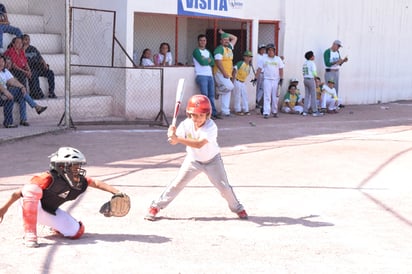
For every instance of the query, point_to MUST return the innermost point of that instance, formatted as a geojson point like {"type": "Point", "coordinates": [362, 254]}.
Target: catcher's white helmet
{"type": "Point", "coordinates": [62, 161]}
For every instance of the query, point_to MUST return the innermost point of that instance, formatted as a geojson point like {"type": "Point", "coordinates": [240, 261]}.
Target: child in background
{"type": "Point", "coordinates": [329, 97]}
{"type": "Point", "coordinates": [291, 101]}
{"type": "Point", "coordinates": [240, 73]}
{"type": "Point", "coordinates": [146, 58]}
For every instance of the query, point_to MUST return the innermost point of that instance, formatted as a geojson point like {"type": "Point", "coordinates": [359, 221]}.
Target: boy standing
{"type": "Point", "coordinates": [309, 74]}
{"type": "Point", "coordinates": [240, 73]}
{"type": "Point", "coordinates": [273, 68]}
{"type": "Point", "coordinates": [199, 134]}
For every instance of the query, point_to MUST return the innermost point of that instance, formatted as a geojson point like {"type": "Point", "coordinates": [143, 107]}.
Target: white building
{"type": "Point", "coordinates": [375, 36]}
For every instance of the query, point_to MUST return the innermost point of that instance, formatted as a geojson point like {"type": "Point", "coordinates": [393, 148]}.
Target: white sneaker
{"type": "Point", "coordinates": [304, 114]}
{"type": "Point", "coordinates": [317, 114]}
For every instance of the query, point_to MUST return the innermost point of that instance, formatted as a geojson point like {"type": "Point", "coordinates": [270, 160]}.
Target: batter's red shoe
{"type": "Point", "coordinates": [151, 215]}
{"type": "Point", "coordinates": [242, 215]}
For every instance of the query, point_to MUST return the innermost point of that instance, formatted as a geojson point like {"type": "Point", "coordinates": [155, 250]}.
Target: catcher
{"type": "Point", "coordinates": [65, 181]}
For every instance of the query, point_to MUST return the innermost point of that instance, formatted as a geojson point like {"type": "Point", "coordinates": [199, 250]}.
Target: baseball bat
{"type": "Point", "coordinates": [179, 98]}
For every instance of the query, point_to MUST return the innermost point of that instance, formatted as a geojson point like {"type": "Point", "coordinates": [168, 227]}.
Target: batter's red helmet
{"type": "Point", "coordinates": [198, 104]}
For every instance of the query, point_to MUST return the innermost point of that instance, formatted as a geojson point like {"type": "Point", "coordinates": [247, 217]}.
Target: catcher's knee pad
{"type": "Point", "coordinates": [79, 233]}
{"type": "Point", "coordinates": [32, 191]}
{"type": "Point", "coordinates": [31, 195]}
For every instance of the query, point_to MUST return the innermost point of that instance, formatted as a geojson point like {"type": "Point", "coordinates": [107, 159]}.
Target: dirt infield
{"type": "Point", "coordinates": [325, 195]}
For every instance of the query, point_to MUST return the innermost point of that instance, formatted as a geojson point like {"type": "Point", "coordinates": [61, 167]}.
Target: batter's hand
{"type": "Point", "coordinates": [171, 135]}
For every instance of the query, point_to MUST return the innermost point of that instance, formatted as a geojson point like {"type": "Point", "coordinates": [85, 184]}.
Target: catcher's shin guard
{"type": "Point", "coordinates": [31, 195]}
{"type": "Point", "coordinates": [79, 233]}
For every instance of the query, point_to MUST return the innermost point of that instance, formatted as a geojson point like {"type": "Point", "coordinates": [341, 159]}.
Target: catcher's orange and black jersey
{"type": "Point", "coordinates": [57, 191]}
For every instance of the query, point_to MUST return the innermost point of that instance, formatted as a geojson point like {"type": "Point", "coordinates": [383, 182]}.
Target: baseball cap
{"type": "Point", "coordinates": [224, 35]}
{"type": "Point", "coordinates": [262, 46]}
{"type": "Point", "coordinates": [270, 46]}
{"type": "Point", "coordinates": [338, 42]}
{"type": "Point", "coordinates": [248, 53]}
{"type": "Point", "coordinates": [331, 81]}
{"type": "Point", "coordinates": [294, 80]}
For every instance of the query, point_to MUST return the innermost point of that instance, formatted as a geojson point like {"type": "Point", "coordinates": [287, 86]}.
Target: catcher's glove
{"type": "Point", "coordinates": [118, 206]}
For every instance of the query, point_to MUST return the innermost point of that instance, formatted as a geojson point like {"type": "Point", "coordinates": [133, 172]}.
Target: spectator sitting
{"type": "Point", "coordinates": [39, 109]}
{"type": "Point", "coordinates": [15, 88]}
{"type": "Point", "coordinates": [291, 101]}
{"type": "Point", "coordinates": [5, 26]}
{"type": "Point", "coordinates": [20, 68]}
{"type": "Point", "coordinates": [146, 58]}
{"type": "Point", "coordinates": [38, 67]}
{"type": "Point", "coordinates": [295, 82]}
{"type": "Point", "coordinates": [6, 101]}
{"type": "Point", "coordinates": [164, 57]}
{"type": "Point", "coordinates": [329, 97]}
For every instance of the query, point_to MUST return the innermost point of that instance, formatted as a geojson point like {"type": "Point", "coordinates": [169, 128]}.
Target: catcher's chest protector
{"type": "Point", "coordinates": [59, 191]}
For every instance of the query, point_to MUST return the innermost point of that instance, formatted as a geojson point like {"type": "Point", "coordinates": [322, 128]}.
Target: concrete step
{"type": "Point", "coordinates": [80, 85]}
{"type": "Point", "coordinates": [45, 43]}
{"type": "Point", "coordinates": [27, 23]}
{"type": "Point", "coordinates": [14, 6]}
{"type": "Point", "coordinates": [57, 63]}
{"type": "Point", "coordinates": [81, 107]}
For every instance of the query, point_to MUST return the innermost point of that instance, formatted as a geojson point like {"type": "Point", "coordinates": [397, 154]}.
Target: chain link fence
{"type": "Point", "coordinates": [106, 85]}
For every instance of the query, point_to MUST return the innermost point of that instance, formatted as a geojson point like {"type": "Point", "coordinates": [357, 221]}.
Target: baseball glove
{"type": "Point", "coordinates": [118, 206]}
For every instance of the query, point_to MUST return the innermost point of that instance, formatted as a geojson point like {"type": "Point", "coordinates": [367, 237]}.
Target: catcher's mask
{"type": "Point", "coordinates": [68, 161]}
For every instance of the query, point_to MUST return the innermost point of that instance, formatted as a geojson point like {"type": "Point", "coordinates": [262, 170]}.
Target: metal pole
{"type": "Point", "coordinates": [67, 73]}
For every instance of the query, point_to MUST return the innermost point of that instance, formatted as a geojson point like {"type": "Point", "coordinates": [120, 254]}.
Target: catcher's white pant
{"type": "Point", "coordinates": [240, 97]}
{"type": "Point", "coordinates": [216, 173]}
{"type": "Point", "coordinates": [224, 86]}
{"type": "Point", "coordinates": [62, 221]}
{"type": "Point", "coordinates": [270, 98]}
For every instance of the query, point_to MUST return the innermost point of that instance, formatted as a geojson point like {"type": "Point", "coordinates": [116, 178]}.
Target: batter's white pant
{"type": "Point", "coordinates": [270, 99]}
{"type": "Point", "coordinates": [329, 102]}
{"type": "Point", "coordinates": [240, 97]}
{"type": "Point", "coordinates": [216, 173]}
{"type": "Point", "coordinates": [224, 87]}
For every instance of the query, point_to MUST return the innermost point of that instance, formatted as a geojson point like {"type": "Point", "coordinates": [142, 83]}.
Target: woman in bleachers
{"type": "Point", "coordinates": [20, 68]}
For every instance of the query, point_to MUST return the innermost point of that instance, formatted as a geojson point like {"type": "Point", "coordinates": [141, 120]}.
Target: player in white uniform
{"type": "Point", "coordinates": [329, 97]}
{"type": "Point", "coordinates": [199, 134]}
{"type": "Point", "coordinates": [223, 69]}
{"type": "Point", "coordinates": [273, 67]}
{"type": "Point", "coordinates": [259, 81]}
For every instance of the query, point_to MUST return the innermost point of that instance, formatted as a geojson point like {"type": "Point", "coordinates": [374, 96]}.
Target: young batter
{"type": "Point", "coordinates": [199, 134]}
{"type": "Point", "coordinates": [42, 197]}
